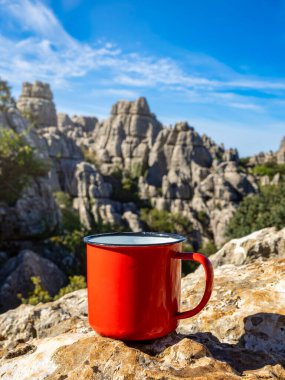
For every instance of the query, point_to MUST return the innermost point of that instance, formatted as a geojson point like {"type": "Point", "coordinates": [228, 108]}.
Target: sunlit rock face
{"type": "Point", "coordinates": [63, 141]}
{"type": "Point", "coordinates": [36, 101]}
{"type": "Point", "coordinates": [239, 335]}
{"type": "Point", "coordinates": [264, 243]}
{"type": "Point", "coordinates": [177, 169]}
{"type": "Point", "coordinates": [124, 139]}
{"type": "Point", "coordinates": [270, 157]}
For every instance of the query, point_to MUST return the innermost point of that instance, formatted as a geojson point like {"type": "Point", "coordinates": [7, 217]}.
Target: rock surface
{"type": "Point", "coordinates": [263, 158]}
{"type": "Point", "coordinates": [125, 139]}
{"type": "Point", "coordinates": [36, 100]}
{"type": "Point", "coordinates": [16, 273]}
{"type": "Point", "coordinates": [177, 169]}
{"type": "Point", "coordinates": [240, 334]}
{"type": "Point", "coordinates": [35, 214]}
{"type": "Point", "coordinates": [260, 244]}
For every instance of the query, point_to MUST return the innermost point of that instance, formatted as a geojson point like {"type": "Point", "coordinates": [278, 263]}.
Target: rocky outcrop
{"type": "Point", "coordinates": [34, 215]}
{"type": "Point", "coordinates": [65, 143]}
{"type": "Point", "coordinates": [175, 149]}
{"type": "Point", "coordinates": [240, 334]}
{"type": "Point", "coordinates": [260, 244]}
{"type": "Point", "coordinates": [36, 101]}
{"type": "Point", "coordinates": [125, 139]}
{"type": "Point", "coordinates": [269, 157]}
{"type": "Point", "coordinates": [213, 193]}
{"type": "Point", "coordinates": [16, 273]}
{"type": "Point", "coordinates": [177, 169]}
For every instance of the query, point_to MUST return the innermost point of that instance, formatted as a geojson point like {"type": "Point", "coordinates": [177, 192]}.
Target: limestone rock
{"type": "Point", "coordinates": [230, 339]}
{"type": "Point", "coordinates": [37, 100]}
{"type": "Point", "coordinates": [124, 140]}
{"type": "Point", "coordinates": [262, 244]}
{"type": "Point", "coordinates": [178, 170]}
{"type": "Point", "coordinates": [34, 214]}
{"type": "Point", "coordinates": [269, 157]}
{"type": "Point", "coordinates": [44, 320]}
{"type": "Point", "coordinates": [247, 307]}
{"type": "Point", "coordinates": [88, 182]}
{"type": "Point", "coordinates": [86, 123]}
{"type": "Point", "coordinates": [16, 273]}
{"type": "Point", "coordinates": [133, 221]}
{"type": "Point", "coordinates": [175, 149]}
{"type": "Point", "coordinates": [231, 155]}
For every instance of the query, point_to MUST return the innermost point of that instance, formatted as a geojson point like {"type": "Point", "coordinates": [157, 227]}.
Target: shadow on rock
{"type": "Point", "coordinates": [263, 343]}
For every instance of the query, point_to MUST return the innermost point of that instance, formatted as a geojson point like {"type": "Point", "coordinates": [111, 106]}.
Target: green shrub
{"type": "Point", "coordinates": [243, 162]}
{"type": "Point", "coordinates": [72, 241]}
{"type": "Point", "coordinates": [164, 221]}
{"type": "Point", "coordinates": [18, 165]}
{"type": "Point", "coordinates": [266, 209]}
{"type": "Point", "coordinates": [202, 216]}
{"type": "Point", "coordinates": [70, 217]}
{"type": "Point", "coordinates": [125, 187]}
{"type": "Point", "coordinates": [75, 283]}
{"type": "Point", "coordinates": [89, 156]}
{"type": "Point", "coordinates": [39, 294]}
{"type": "Point", "coordinates": [137, 170]}
{"type": "Point", "coordinates": [208, 249]}
{"type": "Point", "coordinates": [270, 169]}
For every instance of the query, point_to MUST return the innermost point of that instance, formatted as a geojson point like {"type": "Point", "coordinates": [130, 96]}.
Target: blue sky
{"type": "Point", "coordinates": [217, 64]}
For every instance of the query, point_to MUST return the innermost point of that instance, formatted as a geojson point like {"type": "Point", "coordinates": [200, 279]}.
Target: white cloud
{"type": "Point", "coordinates": [51, 54]}
{"type": "Point", "coordinates": [246, 106]}
{"type": "Point", "coordinates": [121, 92]}
{"type": "Point", "coordinates": [34, 16]}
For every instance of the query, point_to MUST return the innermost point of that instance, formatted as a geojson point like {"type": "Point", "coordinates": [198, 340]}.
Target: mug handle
{"type": "Point", "coordinates": [208, 268]}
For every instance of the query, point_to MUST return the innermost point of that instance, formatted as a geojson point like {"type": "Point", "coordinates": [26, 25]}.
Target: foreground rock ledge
{"type": "Point", "coordinates": [241, 334]}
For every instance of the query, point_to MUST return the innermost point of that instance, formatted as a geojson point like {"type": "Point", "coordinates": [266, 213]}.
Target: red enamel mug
{"type": "Point", "coordinates": [134, 283]}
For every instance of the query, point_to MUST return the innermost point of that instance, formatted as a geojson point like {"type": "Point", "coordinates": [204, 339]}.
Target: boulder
{"type": "Point", "coordinates": [247, 307]}
{"type": "Point", "coordinates": [262, 244]}
{"type": "Point", "coordinates": [239, 335]}
{"type": "Point", "coordinates": [16, 273]}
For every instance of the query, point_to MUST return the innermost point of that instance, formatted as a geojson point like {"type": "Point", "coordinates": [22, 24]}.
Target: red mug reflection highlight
{"type": "Point", "coordinates": [134, 291]}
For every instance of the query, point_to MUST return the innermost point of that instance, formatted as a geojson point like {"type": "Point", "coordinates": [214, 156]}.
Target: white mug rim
{"type": "Point", "coordinates": [175, 238]}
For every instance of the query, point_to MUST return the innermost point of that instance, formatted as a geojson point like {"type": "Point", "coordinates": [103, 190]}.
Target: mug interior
{"type": "Point", "coordinates": [133, 239]}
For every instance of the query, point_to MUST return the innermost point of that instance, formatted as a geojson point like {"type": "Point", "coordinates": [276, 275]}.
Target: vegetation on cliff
{"type": "Point", "coordinates": [18, 165]}
{"type": "Point", "coordinates": [39, 294]}
{"type": "Point", "coordinates": [266, 209]}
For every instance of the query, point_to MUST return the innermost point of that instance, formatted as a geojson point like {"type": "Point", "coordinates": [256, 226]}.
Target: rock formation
{"type": "Point", "coordinates": [16, 273]}
{"type": "Point", "coordinates": [172, 164]}
{"type": "Point", "coordinates": [36, 101]}
{"type": "Point", "coordinates": [177, 170]}
{"type": "Point", "coordinates": [125, 139]}
{"type": "Point", "coordinates": [260, 244]}
{"type": "Point", "coordinates": [35, 214]}
{"type": "Point", "coordinates": [239, 335]}
{"type": "Point", "coordinates": [263, 158]}
{"type": "Point", "coordinates": [61, 140]}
